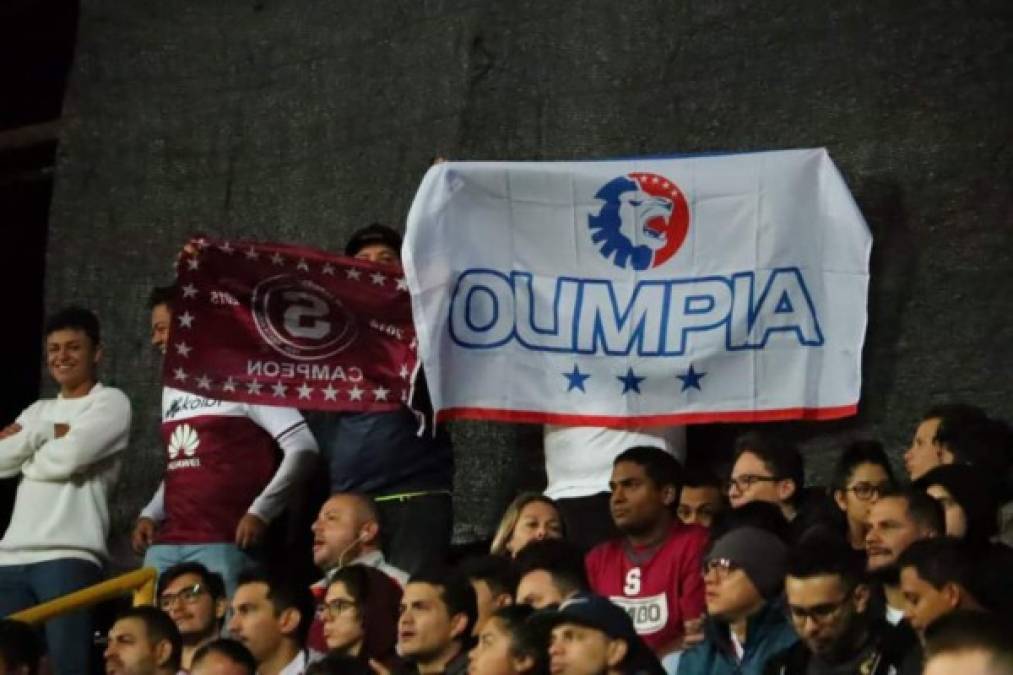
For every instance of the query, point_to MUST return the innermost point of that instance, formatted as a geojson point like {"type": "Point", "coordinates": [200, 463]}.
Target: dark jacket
{"type": "Point", "coordinates": [767, 633]}
{"type": "Point", "coordinates": [887, 647]}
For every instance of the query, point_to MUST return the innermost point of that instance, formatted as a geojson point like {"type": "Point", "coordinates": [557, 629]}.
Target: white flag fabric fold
{"type": "Point", "coordinates": [644, 291]}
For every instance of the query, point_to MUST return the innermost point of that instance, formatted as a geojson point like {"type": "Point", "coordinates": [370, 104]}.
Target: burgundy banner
{"type": "Point", "coordinates": [283, 325]}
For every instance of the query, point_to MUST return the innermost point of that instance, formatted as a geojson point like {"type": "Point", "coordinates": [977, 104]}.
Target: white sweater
{"type": "Point", "coordinates": [61, 509]}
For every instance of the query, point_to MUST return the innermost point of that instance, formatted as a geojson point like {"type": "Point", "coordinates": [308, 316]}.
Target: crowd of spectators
{"type": "Point", "coordinates": [630, 563]}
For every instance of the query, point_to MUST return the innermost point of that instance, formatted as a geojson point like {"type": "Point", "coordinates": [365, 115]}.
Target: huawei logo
{"type": "Point", "coordinates": [184, 439]}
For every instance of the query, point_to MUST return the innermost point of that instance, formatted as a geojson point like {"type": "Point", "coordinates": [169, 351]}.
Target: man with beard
{"type": "Point", "coordinates": [143, 641]}
{"type": "Point", "coordinates": [828, 601]}
{"type": "Point", "coordinates": [653, 570]}
{"type": "Point", "coordinates": [896, 521]}
{"type": "Point", "coordinates": [194, 598]}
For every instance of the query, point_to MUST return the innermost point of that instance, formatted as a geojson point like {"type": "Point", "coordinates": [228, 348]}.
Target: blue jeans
{"type": "Point", "coordinates": [69, 637]}
{"type": "Point", "coordinates": [227, 559]}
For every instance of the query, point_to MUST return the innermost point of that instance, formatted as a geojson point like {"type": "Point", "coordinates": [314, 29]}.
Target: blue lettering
{"type": "Point", "coordinates": [649, 318]}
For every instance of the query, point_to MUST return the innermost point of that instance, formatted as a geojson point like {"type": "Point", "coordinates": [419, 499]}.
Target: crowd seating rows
{"type": "Point", "coordinates": [637, 558]}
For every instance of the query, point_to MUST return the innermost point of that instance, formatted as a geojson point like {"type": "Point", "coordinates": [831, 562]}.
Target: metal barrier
{"type": "Point", "coordinates": [141, 582]}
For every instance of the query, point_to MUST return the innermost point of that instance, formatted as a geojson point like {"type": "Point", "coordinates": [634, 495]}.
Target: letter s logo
{"type": "Point", "coordinates": [303, 321]}
{"type": "Point", "coordinates": [632, 584]}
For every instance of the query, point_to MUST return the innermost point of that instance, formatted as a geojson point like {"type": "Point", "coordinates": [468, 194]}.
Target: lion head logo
{"type": "Point", "coordinates": [642, 222]}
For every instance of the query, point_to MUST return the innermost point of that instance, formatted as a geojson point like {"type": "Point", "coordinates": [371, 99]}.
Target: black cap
{"type": "Point", "coordinates": [374, 233]}
{"type": "Point", "coordinates": [594, 611]}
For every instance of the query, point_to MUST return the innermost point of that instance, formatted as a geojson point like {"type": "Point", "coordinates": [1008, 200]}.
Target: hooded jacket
{"type": "Point", "coordinates": [767, 632]}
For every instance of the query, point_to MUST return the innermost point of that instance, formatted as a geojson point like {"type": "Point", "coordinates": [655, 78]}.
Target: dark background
{"type": "Point", "coordinates": [303, 120]}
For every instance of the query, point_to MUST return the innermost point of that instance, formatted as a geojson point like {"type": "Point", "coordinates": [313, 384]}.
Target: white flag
{"type": "Point", "coordinates": [644, 291]}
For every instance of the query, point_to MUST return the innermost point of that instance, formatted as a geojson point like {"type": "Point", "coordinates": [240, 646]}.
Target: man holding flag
{"type": "Point", "coordinates": [408, 474]}
{"type": "Point", "coordinates": [297, 328]}
{"type": "Point", "coordinates": [221, 487]}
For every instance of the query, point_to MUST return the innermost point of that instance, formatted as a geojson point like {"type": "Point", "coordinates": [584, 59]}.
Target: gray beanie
{"type": "Point", "coordinates": [760, 554]}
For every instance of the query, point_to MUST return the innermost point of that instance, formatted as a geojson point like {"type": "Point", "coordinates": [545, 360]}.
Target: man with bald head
{"type": "Point", "coordinates": [347, 532]}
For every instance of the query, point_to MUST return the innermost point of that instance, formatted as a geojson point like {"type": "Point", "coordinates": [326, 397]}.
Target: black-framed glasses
{"type": "Point", "coordinates": [866, 491]}
{"type": "Point", "coordinates": [722, 567]}
{"type": "Point", "coordinates": [187, 596]}
{"type": "Point", "coordinates": [818, 613]}
{"type": "Point", "coordinates": [748, 480]}
{"type": "Point", "coordinates": [332, 608]}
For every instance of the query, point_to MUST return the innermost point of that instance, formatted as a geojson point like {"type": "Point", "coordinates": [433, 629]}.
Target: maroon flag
{"type": "Point", "coordinates": [285, 325]}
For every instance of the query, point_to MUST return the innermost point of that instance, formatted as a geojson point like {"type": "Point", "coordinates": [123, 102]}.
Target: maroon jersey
{"type": "Point", "coordinates": [660, 587]}
{"type": "Point", "coordinates": [221, 455]}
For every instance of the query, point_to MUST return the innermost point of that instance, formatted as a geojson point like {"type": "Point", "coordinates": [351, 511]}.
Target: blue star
{"type": "Point", "coordinates": [576, 379]}
{"type": "Point", "coordinates": [630, 381]}
{"type": "Point", "coordinates": [691, 379]}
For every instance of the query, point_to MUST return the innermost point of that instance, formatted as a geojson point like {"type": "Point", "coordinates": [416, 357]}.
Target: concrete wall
{"type": "Point", "coordinates": [302, 120]}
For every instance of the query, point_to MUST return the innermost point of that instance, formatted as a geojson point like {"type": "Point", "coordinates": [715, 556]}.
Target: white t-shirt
{"type": "Point", "coordinates": [578, 460]}
{"type": "Point", "coordinates": [61, 509]}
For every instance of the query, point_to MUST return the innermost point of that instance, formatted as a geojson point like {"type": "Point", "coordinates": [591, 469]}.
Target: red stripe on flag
{"type": "Point", "coordinates": [539, 417]}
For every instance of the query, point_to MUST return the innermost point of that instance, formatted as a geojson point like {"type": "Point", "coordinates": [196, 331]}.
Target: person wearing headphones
{"type": "Point", "coordinates": [347, 532]}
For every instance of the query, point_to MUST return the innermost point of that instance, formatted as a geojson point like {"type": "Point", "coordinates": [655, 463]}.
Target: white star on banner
{"type": "Point", "coordinates": [330, 393]}
{"type": "Point", "coordinates": [183, 349]}
{"type": "Point", "coordinates": [328, 269]}
{"type": "Point", "coordinates": [179, 374]}
{"type": "Point", "coordinates": [193, 264]}
{"type": "Point", "coordinates": [380, 394]}
{"type": "Point", "coordinates": [189, 291]}
{"type": "Point", "coordinates": [251, 254]}
{"type": "Point", "coordinates": [276, 258]}
{"type": "Point", "coordinates": [305, 391]}
{"type": "Point", "coordinates": [355, 394]}
{"type": "Point", "coordinates": [353, 273]}
{"type": "Point", "coordinates": [301, 265]}
{"type": "Point", "coordinates": [377, 278]}
{"type": "Point", "coordinates": [229, 385]}
{"type": "Point", "coordinates": [204, 382]}
{"type": "Point", "coordinates": [202, 242]}
{"type": "Point", "coordinates": [404, 396]}
{"type": "Point", "coordinates": [403, 372]}
{"type": "Point", "coordinates": [253, 388]}
{"type": "Point", "coordinates": [186, 320]}
{"type": "Point", "coordinates": [402, 285]}
{"type": "Point", "coordinates": [278, 389]}
{"type": "Point", "coordinates": [226, 248]}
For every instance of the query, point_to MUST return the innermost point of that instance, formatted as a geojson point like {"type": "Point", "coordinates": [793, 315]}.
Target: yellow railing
{"type": "Point", "coordinates": [141, 582]}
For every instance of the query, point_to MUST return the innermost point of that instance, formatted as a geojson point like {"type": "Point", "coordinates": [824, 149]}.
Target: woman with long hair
{"type": "Point", "coordinates": [530, 517]}
{"type": "Point", "coordinates": [510, 643]}
{"type": "Point", "coordinates": [360, 612]}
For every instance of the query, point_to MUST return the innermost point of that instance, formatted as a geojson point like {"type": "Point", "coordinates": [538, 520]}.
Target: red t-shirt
{"type": "Point", "coordinates": [221, 455]}
{"type": "Point", "coordinates": [660, 587]}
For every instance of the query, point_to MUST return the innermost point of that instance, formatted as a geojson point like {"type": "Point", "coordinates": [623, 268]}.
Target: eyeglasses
{"type": "Point", "coordinates": [187, 595]}
{"type": "Point", "coordinates": [331, 608]}
{"type": "Point", "coordinates": [818, 613]}
{"type": "Point", "coordinates": [867, 491]}
{"type": "Point", "coordinates": [746, 481]}
{"type": "Point", "coordinates": [722, 567]}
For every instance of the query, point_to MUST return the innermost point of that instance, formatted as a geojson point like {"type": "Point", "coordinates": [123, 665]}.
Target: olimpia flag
{"type": "Point", "coordinates": [644, 291]}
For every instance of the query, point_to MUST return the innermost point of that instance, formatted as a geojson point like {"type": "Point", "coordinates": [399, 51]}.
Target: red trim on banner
{"type": "Point", "coordinates": [538, 417]}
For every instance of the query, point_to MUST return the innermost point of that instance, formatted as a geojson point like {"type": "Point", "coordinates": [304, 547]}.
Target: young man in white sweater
{"type": "Point", "coordinates": [67, 451]}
